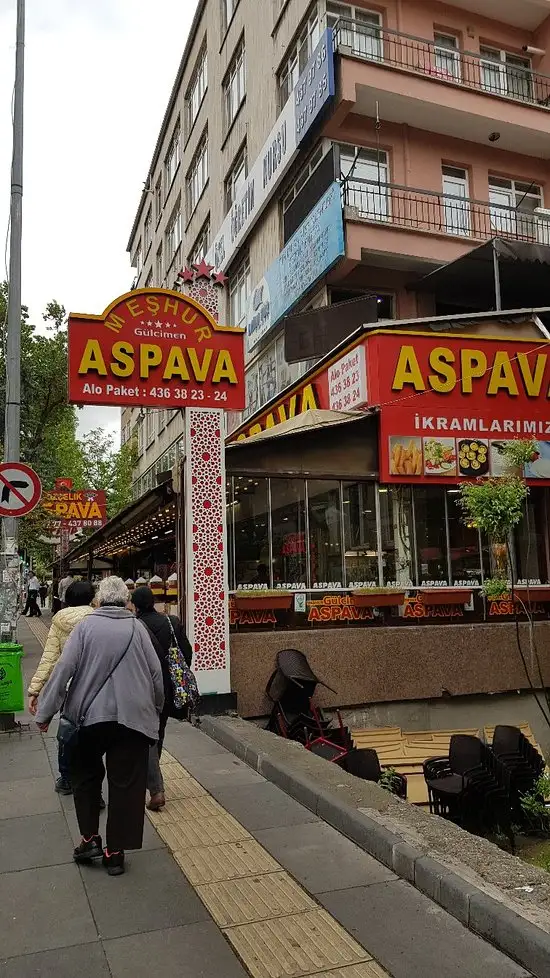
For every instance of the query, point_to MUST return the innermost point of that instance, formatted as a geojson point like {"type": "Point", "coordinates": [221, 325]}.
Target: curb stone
{"type": "Point", "coordinates": [492, 920]}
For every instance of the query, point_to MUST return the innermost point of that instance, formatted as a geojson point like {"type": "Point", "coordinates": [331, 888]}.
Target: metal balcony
{"type": "Point", "coordinates": [459, 68]}
{"type": "Point", "coordinates": [424, 210]}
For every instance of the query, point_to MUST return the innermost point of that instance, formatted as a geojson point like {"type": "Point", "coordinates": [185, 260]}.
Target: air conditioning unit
{"type": "Point", "coordinates": [542, 211]}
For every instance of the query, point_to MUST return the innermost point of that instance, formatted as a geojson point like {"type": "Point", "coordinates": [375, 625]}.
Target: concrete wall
{"type": "Point", "coordinates": [387, 665]}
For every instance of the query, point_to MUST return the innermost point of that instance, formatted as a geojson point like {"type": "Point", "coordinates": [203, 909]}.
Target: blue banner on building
{"type": "Point", "coordinates": [309, 254]}
{"type": "Point", "coordinates": [315, 85]}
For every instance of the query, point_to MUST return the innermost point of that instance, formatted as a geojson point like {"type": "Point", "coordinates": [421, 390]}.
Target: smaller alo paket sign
{"type": "Point", "coordinates": [155, 348]}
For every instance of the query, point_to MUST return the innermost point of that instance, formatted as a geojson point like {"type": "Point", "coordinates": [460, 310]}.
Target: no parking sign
{"type": "Point", "coordinates": [20, 489]}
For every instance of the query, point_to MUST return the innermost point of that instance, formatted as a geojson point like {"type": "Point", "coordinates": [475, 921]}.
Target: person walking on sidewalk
{"type": "Point", "coordinates": [113, 706]}
{"type": "Point", "coordinates": [164, 629]}
{"type": "Point", "coordinates": [31, 606]}
{"type": "Point", "coordinates": [43, 594]}
{"type": "Point", "coordinates": [64, 583]}
{"type": "Point", "coordinates": [78, 598]}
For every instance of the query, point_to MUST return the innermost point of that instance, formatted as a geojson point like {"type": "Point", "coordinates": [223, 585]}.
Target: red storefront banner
{"type": "Point", "coordinates": [155, 348]}
{"type": "Point", "coordinates": [448, 404]}
{"type": "Point", "coordinates": [75, 509]}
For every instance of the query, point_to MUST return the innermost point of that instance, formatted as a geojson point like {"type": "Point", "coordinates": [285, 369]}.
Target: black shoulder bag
{"type": "Point", "coordinates": [68, 731]}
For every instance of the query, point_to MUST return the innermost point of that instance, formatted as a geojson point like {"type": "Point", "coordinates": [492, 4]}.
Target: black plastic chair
{"type": "Point", "coordinates": [363, 762]}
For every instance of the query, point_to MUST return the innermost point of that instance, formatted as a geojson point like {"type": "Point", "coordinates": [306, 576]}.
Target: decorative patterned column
{"type": "Point", "coordinates": [206, 548]}
{"type": "Point", "coordinates": [205, 538]}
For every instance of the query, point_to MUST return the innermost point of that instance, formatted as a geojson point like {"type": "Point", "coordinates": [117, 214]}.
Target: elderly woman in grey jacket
{"type": "Point", "coordinates": [115, 697]}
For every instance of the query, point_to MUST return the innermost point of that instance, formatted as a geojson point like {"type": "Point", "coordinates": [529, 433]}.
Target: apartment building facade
{"type": "Point", "coordinates": [437, 138]}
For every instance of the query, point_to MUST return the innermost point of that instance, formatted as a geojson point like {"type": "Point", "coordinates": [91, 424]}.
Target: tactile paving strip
{"type": "Point", "coordinates": [291, 947]}
{"type": "Point", "coordinates": [275, 927]}
{"type": "Point", "coordinates": [214, 864]}
{"type": "Point", "coordinates": [254, 898]}
{"type": "Point", "coordinates": [201, 832]}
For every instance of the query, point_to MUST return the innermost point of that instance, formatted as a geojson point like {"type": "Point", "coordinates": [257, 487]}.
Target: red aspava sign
{"type": "Point", "coordinates": [75, 509]}
{"type": "Point", "coordinates": [449, 404]}
{"type": "Point", "coordinates": [155, 348]}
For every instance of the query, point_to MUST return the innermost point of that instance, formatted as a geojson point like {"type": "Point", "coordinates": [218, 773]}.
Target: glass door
{"type": "Point", "coordinates": [366, 174]}
{"type": "Point", "coordinates": [446, 56]}
{"type": "Point", "coordinates": [456, 205]}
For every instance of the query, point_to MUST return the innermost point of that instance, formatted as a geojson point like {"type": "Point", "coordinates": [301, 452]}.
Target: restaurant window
{"type": "Point", "coordinates": [234, 86]}
{"type": "Point", "coordinates": [506, 74]}
{"type": "Point", "coordinates": [325, 534]}
{"type": "Point", "coordinates": [397, 536]}
{"type": "Point", "coordinates": [365, 173]}
{"type": "Point", "coordinates": [298, 55]}
{"type": "Point", "coordinates": [197, 90]}
{"type": "Point", "coordinates": [529, 541]}
{"type": "Point", "coordinates": [464, 545]}
{"type": "Point", "coordinates": [288, 513]}
{"type": "Point", "coordinates": [251, 528]}
{"type": "Point", "coordinates": [229, 516]}
{"type": "Point", "coordinates": [431, 536]}
{"type": "Point", "coordinates": [360, 534]}
{"type": "Point", "coordinates": [197, 176]}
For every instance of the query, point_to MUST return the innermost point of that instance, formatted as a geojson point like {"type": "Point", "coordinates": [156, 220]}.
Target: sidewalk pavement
{"type": "Point", "coordinates": [235, 879]}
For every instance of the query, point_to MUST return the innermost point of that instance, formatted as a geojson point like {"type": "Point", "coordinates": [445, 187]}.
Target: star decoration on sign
{"type": "Point", "coordinates": [203, 269]}
{"type": "Point", "coordinates": [220, 279]}
{"type": "Point", "coordinates": [187, 275]}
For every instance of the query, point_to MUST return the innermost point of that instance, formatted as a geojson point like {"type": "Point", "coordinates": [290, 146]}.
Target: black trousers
{"type": "Point", "coordinates": [126, 753]}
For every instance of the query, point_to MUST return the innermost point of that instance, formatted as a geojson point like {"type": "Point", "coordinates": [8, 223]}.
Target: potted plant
{"type": "Point", "coordinates": [445, 595]}
{"type": "Point", "coordinates": [378, 597]}
{"type": "Point", "coordinates": [253, 599]}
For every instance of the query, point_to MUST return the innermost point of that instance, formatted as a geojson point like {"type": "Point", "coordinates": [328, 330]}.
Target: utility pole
{"type": "Point", "coordinates": [9, 584]}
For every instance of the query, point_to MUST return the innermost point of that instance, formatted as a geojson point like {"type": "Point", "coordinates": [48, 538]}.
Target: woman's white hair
{"type": "Point", "coordinates": [112, 590]}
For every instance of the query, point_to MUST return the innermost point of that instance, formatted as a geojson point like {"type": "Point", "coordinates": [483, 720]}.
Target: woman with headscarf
{"type": "Point", "coordinates": [165, 630]}
{"type": "Point", "coordinates": [115, 698]}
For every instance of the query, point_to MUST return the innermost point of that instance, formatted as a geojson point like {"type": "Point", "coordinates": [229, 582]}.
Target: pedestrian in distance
{"type": "Point", "coordinates": [111, 710]}
{"type": "Point", "coordinates": [33, 589]}
{"type": "Point", "coordinates": [64, 583]}
{"type": "Point", "coordinates": [78, 597]}
{"type": "Point", "coordinates": [43, 591]}
{"type": "Point", "coordinates": [164, 630]}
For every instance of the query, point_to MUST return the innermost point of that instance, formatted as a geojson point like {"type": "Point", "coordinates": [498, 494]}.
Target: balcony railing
{"type": "Point", "coordinates": [438, 213]}
{"type": "Point", "coordinates": [462, 68]}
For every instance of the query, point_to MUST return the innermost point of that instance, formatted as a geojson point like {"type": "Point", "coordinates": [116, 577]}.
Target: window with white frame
{"type": "Point", "coordinates": [138, 259]}
{"type": "Point", "coordinates": [172, 237]}
{"type": "Point", "coordinates": [158, 198]}
{"type": "Point", "coordinates": [303, 176]}
{"type": "Point", "coordinates": [236, 178]}
{"type": "Point", "coordinates": [159, 267]}
{"type": "Point", "coordinates": [228, 9]}
{"type": "Point", "coordinates": [239, 291]}
{"type": "Point", "coordinates": [513, 206]}
{"type": "Point", "coordinates": [299, 53]}
{"type": "Point", "coordinates": [197, 175]}
{"type": "Point", "coordinates": [234, 85]}
{"type": "Point", "coordinates": [359, 29]}
{"type": "Point", "coordinates": [202, 244]}
{"type": "Point", "coordinates": [172, 160]}
{"type": "Point", "coordinates": [365, 174]}
{"type": "Point", "coordinates": [506, 74]}
{"type": "Point", "coordinates": [149, 279]}
{"type": "Point", "coordinates": [139, 433]}
{"type": "Point", "coordinates": [150, 426]}
{"type": "Point", "coordinates": [197, 90]}
{"type": "Point", "coordinates": [148, 231]}
{"type": "Point", "coordinates": [446, 56]}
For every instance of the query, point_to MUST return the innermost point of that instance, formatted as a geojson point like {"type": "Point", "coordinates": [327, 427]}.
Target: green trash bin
{"type": "Point", "coordinates": [11, 678]}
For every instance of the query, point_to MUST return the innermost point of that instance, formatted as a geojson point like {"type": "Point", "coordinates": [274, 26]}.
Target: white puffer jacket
{"type": "Point", "coordinates": [62, 625]}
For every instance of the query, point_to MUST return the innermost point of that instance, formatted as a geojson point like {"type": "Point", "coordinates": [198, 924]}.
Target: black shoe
{"type": "Point", "coordinates": [63, 787]}
{"type": "Point", "coordinates": [114, 862]}
{"type": "Point", "coordinates": [102, 804]}
{"type": "Point", "coordinates": [88, 850]}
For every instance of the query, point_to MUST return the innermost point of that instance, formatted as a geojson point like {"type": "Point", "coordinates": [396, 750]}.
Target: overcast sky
{"type": "Point", "coordinates": [98, 75]}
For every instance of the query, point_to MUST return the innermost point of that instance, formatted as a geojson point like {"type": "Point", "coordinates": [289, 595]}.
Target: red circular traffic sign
{"type": "Point", "coordinates": [20, 489]}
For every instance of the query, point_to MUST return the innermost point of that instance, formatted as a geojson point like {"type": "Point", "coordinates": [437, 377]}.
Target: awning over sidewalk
{"type": "Point", "coordinates": [518, 272]}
